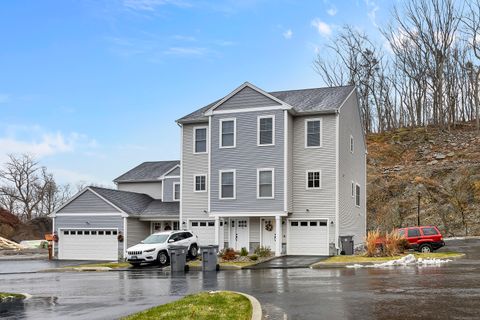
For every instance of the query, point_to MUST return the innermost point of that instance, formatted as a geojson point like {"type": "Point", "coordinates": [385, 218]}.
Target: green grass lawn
{"type": "Point", "coordinates": [8, 296]}
{"type": "Point", "coordinates": [208, 306]}
{"type": "Point", "coordinates": [240, 264]}
{"type": "Point", "coordinates": [364, 259]}
{"type": "Point", "coordinates": [113, 265]}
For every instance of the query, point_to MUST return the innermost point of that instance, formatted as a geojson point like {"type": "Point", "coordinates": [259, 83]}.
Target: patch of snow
{"type": "Point", "coordinates": [408, 260]}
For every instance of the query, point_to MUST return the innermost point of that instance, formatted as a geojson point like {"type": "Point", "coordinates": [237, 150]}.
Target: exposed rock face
{"type": "Point", "coordinates": [8, 223]}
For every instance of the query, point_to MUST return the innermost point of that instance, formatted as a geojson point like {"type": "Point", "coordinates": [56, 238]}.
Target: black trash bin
{"type": "Point", "coordinates": [347, 245]}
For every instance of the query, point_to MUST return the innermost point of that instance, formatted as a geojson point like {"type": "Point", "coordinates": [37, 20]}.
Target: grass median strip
{"type": "Point", "coordinates": [364, 259]}
{"type": "Point", "coordinates": [222, 305]}
{"type": "Point", "coordinates": [112, 265]}
{"type": "Point", "coordinates": [7, 296]}
{"type": "Point", "coordinates": [239, 264]}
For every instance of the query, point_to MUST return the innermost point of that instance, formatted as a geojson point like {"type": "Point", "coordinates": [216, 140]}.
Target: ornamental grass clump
{"type": "Point", "coordinates": [371, 242]}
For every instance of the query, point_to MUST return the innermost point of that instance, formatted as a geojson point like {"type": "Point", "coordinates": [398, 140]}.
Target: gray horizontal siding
{"type": "Point", "coordinates": [88, 222]}
{"type": "Point", "coordinates": [247, 98]}
{"type": "Point", "coordinates": [175, 173]}
{"type": "Point", "coordinates": [168, 188]}
{"type": "Point", "coordinates": [153, 189]}
{"type": "Point", "coordinates": [245, 159]}
{"type": "Point", "coordinates": [351, 168]}
{"type": "Point", "coordinates": [193, 203]}
{"type": "Point", "coordinates": [136, 231]}
{"type": "Point", "coordinates": [88, 202]}
{"type": "Point", "coordinates": [319, 202]}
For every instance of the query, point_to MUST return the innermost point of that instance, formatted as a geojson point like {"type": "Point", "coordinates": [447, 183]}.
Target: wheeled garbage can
{"type": "Point", "coordinates": [347, 245]}
{"type": "Point", "coordinates": [178, 258]}
{"type": "Point", "coordinates": [209, 258]}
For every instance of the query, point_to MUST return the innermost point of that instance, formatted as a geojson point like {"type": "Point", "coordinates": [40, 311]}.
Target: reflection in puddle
{"type": "Point", "coordinates": [17, 309]}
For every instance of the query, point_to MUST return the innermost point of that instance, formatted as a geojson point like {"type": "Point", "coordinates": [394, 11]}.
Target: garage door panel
{"type": "Point", "coordinates": [205, 230]}
{"type": "Point", "coordinates": [88, 245]}
{"type": "Point", "coordinates": [307, 237]}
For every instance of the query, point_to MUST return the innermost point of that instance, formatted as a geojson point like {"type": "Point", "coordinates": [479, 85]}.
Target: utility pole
{"type": "Point", "coordinates": [419, 194]}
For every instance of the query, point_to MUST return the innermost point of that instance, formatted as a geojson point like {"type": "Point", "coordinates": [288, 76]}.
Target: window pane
{"type": "Point", "coordinates": [313, 179]}
{"type": "Point", "coordinates": [294, 224]}
{"type": "Point", "coordinates": [265, 184]}
{"type": "Point", "coordinates": [313, 133]}
{"type": "Point", "coordinates": [357, 198]}
{"type": "Point", "coordinates": [304, 223]}
{"type": "Point", "coordinates": [413, 233]}
{"type": "Point", "coordinates": [176, 194]}
{"type": "Point", "coordinates": [227, 178]}
{"type": "Point", "coordinates": [200, 184]}
{"type": "Point", "coordinates": [266, 131]}
{"type": "Point", "coordinates": [227, 191]}
{"type": "Point", "coordinates": [265, 177]}
{"type": "Point", "coordinates": [228, 132]}
{"type": "Point", "coordinates": [265, 191]}
{"type": "Point", "coordinates": [201, 140]}
{"type": "Point", "coordinates": [227, 126]}
{"type": "Point", "coordinates": [429, 231]}
{"type": "Point", "coordinates": [227, 140]}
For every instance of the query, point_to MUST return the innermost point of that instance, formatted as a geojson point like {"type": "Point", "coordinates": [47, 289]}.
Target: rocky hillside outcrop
{"type": "Point", "coordinates": [442, 167]}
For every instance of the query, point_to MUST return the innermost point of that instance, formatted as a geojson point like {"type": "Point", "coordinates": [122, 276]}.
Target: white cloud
{"type": "Point", "coordinates": [288, 34]}
{"type": "Point", "coordinates": [4, 98]}
{"type": "Point", "coordinates": [323, 28]}
{"type": "Point", "coordinates": [332, 11]}
{"type": "Point", "coordinates": [372, 8]}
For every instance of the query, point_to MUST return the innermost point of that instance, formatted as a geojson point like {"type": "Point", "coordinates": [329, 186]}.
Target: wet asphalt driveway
{"type": "Point", "coordinates": [450, 291]}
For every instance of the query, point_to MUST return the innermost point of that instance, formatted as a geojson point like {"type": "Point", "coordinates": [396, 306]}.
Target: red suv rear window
{"type": "Point", "coordinates": [413, 233]}
{"type": "Point", "coordinates": [429, 231]}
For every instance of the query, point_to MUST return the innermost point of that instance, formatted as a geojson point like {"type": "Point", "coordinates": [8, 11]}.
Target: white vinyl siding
{"type": "Point", "coordinates": [228, 128]}
{"type": "Point", "coordinates": [314, 179]}
{"type": "Point", "coordinates": [313, 133]}
{"type": "Point", "coordinates": [200, 183]}
{"type": "Point", "coordinates": [265, 183]}
{"type": "Point", "coordinates": [227, 184]}
{"type": "Point", "coordinates": [266, 130]}
{"type": "Point", "coordinates": [200, 140]}
{"type": "Point", "coordinates": [176, 191]}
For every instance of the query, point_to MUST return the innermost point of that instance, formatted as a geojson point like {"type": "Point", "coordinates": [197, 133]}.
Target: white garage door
{"type": "Point", "coordinates": [307, 237]}
{"type": "Point", "coordinates": [78, 244]}
{"type": "Point", "coordinates": [205, 230]}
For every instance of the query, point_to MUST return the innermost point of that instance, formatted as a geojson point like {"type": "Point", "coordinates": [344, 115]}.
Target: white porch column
{"type": "Point", "coordinates": [217, 230]}
{"type": "Point", "coordinates": [278, 236]}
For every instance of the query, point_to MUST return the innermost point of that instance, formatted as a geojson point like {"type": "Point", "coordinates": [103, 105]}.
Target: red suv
{"type": "Point", "coordinates": [424, 239]}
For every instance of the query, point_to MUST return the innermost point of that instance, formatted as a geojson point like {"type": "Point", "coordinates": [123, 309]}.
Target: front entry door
{"type": "Point", "coordinates": [268, 233]}
{"type": "Point", "coordinates": [239, 233]}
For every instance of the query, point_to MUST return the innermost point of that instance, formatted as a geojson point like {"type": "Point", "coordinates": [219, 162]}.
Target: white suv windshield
{"type": "Point", "coordinates": [156, 238]}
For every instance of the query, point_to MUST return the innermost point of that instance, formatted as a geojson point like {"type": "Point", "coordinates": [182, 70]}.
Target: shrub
{"type": "Point", "coordinates": [263, 251]}
{"type": "Point", "coordinates": [254, 257]}
{"type": "Point", "coordinates": [228, 254]}
{"type": "Point", "coordinates": [371, 241]}
{"type": "Point", "coordinates": [391, 246]}
{"type": "Point", "coordinates": [244, 252]}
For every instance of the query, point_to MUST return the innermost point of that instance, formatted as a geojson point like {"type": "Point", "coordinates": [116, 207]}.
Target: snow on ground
{"type": "Point", "coordinates": [408, 260]}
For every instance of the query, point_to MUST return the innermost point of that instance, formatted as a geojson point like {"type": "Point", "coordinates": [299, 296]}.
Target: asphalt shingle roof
{"type": "Point", "coordinates": [147, 171]}
{"type": "Point", "coordinates": [138, 204]}
{"type": "Point", "coordinates": [303, 101]}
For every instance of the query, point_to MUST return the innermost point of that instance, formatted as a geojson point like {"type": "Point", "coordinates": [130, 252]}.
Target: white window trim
{"type": "Point", "coordinates": [360, 200]}
{"type": "Point", "coordinates": [234, 133]}
{"type": "Point", "coordinates": [195, 139]}
{"type": "Point", "coordinates": [352, 189]}
{"type": "Point", "coordinates": [319, 176]}
{"type": "Point", "coordinates": [195, 182]}
{"type": "Point", "coordinates": [273, 130]}
{"type": "Point", "coordinates": [220, 172]}
{"type": "Point", "coordinates": [180, 191]}
{"type": "Point", "coordinates": [273, 182]}
{"type": "Point", "coordinates": [306, 132]}
{"type": "Point", "coordinates": [352, 144]}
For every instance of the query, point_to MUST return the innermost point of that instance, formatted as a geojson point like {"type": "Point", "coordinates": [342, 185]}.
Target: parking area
{"type": "Point", "coordinates": [450, 291]}
{"type": "Point", "coordinates": [289, 262]}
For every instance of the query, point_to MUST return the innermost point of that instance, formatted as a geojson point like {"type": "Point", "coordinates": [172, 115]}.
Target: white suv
{"type": "Point", "coordinates": [155, 247]}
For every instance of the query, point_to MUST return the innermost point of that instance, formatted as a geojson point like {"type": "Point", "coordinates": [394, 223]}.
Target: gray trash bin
{"type": "Point", "coordinates": [209, 258]}
{"type": "Point", "coordinates": [178, 258]}
{"type": "Point", "coordinates": [347, 245]}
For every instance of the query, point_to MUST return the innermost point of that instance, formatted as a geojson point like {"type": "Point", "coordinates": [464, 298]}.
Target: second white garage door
{"type": "Point", "coordinates": [307, 237]}
{"type": "Point", "coordinates": [205, 230]}
{"type": "Point", "coordinates": [74, 244]}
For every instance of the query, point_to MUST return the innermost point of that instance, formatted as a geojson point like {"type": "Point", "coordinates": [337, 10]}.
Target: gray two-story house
{"type": "Point", "coordinates": [284, 170]}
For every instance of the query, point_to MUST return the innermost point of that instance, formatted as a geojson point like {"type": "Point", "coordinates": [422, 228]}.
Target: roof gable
{"type": "Point", "coordinates": [247, 98]}
{"type": "Point", "coordinates": [87, 202]}
{"type": "Point", "coordinates": [148, 171]}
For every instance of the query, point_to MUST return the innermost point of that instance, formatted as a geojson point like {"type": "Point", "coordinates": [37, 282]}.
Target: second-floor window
{"type": "Point", "coordinates": [352, 144]}
{"type": "Point", "coordinates": [266, 130]}
{"type": "Point", "coordinates": [227, 184]}
{"type": "Point", "coordinates": [176, 191]}
{"type": "Point", "coordinates": [314, 179]}
{"type": "Point", "coordinates": [227, 133]}
{"type": "Point", "coordinates": [357, 195]}
{"type": "Point", "coordinates": [313, 133]}
{"type": "Point", "coordinates": [265, 179]}
{"type": "Point", "coordinates": [200, 183]}
{"type": "Point", "coordinates": [200, 140]}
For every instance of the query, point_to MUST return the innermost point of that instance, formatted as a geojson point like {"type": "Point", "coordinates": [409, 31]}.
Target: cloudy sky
{"type": "Point", "coordinates": [93, 88]}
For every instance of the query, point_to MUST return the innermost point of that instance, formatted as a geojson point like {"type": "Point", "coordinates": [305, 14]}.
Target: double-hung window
{"type": "Point", "coordinates": [352, 144]}
{"type": "Point", "coordinates": [176, 191]}
{"type": "Point", "coordinates": [200, 135]}
{"type": "Point", "coordinates": [313, 133]}
{"type": "Point", "coordinates": [266, 131]}
{"type": "Point", "coordinates": [227, 184]}
{"type": "Point", "coordinates": [265, 183]}
{"type": "Point", "coordinates": [314, 179]}
{"type": "Point", "coordinates": [227, 133]}
{"type": "Point", "coordinates": [200, 183]}
{"type": "Point", "coordinates": [357, 195]}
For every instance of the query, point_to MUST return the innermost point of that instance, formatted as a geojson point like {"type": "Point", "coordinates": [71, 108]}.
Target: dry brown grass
{"type": "Point", "coordinates": [371, 241]}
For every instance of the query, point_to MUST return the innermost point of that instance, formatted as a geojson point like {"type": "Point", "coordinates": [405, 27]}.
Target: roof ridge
{"type": "Point", "coordinates": [314, 88]}
{"type": "Point", "coordinates": [119, 191]}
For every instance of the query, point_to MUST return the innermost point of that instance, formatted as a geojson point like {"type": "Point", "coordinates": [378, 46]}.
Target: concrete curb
{"type": "Point", "coordinates": [256, 306]}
